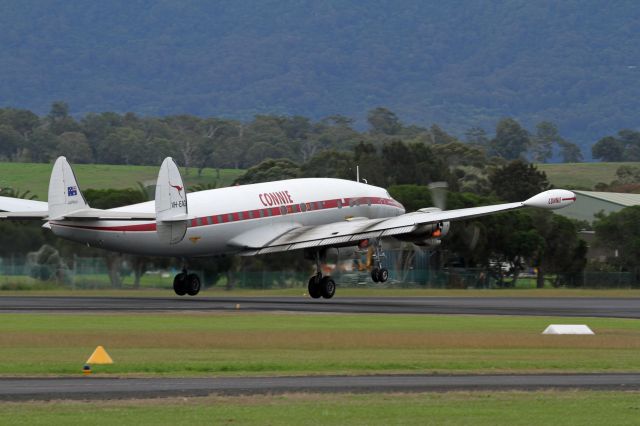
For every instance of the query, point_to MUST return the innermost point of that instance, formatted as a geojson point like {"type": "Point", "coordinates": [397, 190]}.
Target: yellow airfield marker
{"type": "Point", "coordinates": [99, 356]}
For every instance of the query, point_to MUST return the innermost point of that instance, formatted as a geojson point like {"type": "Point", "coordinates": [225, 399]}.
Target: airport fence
{"type": "Point", "coordinates": [93, 273]}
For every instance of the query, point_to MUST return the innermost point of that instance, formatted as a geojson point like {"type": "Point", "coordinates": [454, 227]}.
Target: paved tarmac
{"type": "Point", "coordinates": [548, 306]}
{"type": "Point", "coordinates": [113, 388]}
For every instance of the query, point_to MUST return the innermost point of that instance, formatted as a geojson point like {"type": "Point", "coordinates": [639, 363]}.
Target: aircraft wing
{"type": "Point", "coordinates": [340, 233]}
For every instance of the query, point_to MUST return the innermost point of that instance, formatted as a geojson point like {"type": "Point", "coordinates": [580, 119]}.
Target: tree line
{"type": "Point", "coordinates": [404, 159]}
{"type": "Point", "coordinates": [113, 138]}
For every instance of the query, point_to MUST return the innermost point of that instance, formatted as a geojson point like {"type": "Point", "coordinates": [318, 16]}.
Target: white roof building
{"type": "Point", "coordinates": [589, 203]}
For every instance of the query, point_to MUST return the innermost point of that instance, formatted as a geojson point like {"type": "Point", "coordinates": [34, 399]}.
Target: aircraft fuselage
{"type": "Point", "coordinates": [220, 217]}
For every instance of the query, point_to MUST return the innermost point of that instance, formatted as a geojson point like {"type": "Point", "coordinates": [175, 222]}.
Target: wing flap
{"type": "Point", "coordinates": [352, 231]}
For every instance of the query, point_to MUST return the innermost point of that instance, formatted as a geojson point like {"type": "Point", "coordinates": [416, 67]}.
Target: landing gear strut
{"type": "Point", "coordinates": [378, 273]}
{"type": "Point", "coordinates": [320, 286]}
{"type": "Point", "coordinates": [185, 283]}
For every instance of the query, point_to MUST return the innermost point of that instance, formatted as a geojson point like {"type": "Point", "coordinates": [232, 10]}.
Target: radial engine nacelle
{"type": "Point", "coordinates": [428, 234]}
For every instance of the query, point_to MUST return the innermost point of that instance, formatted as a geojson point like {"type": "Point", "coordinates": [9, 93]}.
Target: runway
{"type": "Point", "coordinates": [112, 388]}
{"type": "Point", "coordinates": [545, 306]}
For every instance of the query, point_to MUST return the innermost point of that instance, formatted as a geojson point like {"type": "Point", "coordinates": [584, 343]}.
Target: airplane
{"type": "Point", "coordinates": [310, 214]}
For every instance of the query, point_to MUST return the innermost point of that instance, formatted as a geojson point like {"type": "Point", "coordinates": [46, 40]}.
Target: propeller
{"type": "Point", "coordinates": [471, 231]}
{"type": "Point", "coordinates": [439, 194]}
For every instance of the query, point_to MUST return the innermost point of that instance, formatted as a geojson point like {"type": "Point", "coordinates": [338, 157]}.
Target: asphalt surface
{"type": "Point", "coordinates": [114, 388]}
{"type": "Point", "coordinates": [547, 306]}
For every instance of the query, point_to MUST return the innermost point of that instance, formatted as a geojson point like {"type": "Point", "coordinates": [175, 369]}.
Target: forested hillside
{"type": "Point", "coordinates": [458, 64]}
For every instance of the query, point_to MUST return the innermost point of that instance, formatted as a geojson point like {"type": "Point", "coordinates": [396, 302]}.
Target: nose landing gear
{"type": "Point", "coordinates": [185, 283]}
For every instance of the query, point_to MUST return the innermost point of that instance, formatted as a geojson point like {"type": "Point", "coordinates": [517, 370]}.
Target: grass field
{"type": "Point", "coordinates": [240, 343]}
{"type": "Point", "coordinates": [35, 177]}
{"type": "Point", "coordinates": [581, 175]}
{"type": "Point", "coordinates": [452, 408]}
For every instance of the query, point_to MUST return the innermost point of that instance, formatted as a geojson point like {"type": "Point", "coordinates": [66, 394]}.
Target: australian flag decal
{"type": "Point", "coordinates": [72, 191]}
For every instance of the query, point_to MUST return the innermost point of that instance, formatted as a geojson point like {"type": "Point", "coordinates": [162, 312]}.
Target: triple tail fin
{"type": "Point", "coordinates": [171, 204]}
{"type": "Point", "coordinates": [64, 193]}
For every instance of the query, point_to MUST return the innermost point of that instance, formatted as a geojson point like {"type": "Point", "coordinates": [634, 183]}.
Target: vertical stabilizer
{"type": "Point", "coordinates": [171, 203]}
{"type": "Point", "coordinates": [64, 192]}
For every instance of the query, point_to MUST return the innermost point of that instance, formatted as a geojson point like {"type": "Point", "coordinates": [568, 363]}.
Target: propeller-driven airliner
{"type": "Point", "coordinates": [310, 214]}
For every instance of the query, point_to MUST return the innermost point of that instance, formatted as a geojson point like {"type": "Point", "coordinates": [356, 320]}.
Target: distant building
{"type": "Point", "coordinates": [589, 203]}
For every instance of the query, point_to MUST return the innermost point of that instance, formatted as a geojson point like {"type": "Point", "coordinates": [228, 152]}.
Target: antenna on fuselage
{"type": "Point", "coordinates": [357, 173]}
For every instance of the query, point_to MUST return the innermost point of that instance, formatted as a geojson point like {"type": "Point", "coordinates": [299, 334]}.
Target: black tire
{"type": "Point", "coordinates": [374, 275]}
{"type": "Point", "coordinates": [314, 287]}
{"type": "Point", "coordinates": [193, 284]}
{"type": "Point", "coordinates": [383, 275]}
{"type": "Point", "coordinates": [180, 284]}
{"type": "Point", "coordinates": [327, 287]}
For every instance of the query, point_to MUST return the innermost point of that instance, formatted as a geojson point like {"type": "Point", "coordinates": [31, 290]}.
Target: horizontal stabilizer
{"type": "Point", "coordinates": [10, 204]}
{"type": "Point", "coordinates": [98, 214]}
{"type": "Point", "coordinates": [33, 215]}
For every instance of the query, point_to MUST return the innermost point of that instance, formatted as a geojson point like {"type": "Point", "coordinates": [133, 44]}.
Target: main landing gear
{"type": "Point", "coordinates": [378, 273]}
{"type": "Point", "coordinates": [320, 286]}
{"type": "Point", "coordinates": [185, 283]}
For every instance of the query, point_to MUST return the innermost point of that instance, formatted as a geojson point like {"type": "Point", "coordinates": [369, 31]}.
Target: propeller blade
{"type": "Point", "coordinates": [439, 194]}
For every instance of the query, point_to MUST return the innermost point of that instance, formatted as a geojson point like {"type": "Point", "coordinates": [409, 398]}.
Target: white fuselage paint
{"type": "Point", "coordinates": [221, 215]}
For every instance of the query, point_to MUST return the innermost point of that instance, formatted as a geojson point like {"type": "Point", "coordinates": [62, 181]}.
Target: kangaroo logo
{"type": "Point", "coordinates": [178, 187]}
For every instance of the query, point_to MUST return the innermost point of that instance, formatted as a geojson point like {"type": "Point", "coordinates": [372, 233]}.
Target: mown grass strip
{"type": "Point", "coordinates": [452, 408]}
{"type": "Point", "coordinates": [248, 343]}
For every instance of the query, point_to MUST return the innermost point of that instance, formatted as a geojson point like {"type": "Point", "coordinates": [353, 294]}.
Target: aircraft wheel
{"type": "Point", "coordinates": [193, 284]}
{"type": "Point", "coordinates": [383, 275]}
{"type": "Point", "coordinates": [180, 284]}
{"type": "Point", "coordinates": [314, 287]}
{"type": "Point", "coordinates": [327, 287]}
{"type": "Point", "coordinates": [374, 275]}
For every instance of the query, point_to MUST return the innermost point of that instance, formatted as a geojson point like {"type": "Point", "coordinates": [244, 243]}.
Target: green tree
{"type": "Point", "coordinates": [620, 231]}
{"type": "Point", "coordinates": [330, 163]}
{"type": "Point", "coordinates": [10, 142]}
{"type": "Point", "coordinates": [563, 252]}
{"type": "Point", "coordinates": [608, 149]}
{"type": "Point", "coordinates": [372, 169]}
{"type": "Point", "coordinates": [570, 152]}
{"type": "Point", "coordinates": [517, 181]}
{"type": "Point", "coordinates": [383, 121]}
{"type": "Point", "coordinates": [477, 136]}
{"type": "Point", "coordinates": [59, 120]}
{"type": "Point", "coordinates": [439, 136]}
{"type": "Point", "coordinates": [75, 147]}
{"type": "Point", "coordinates": [511, 140]}
{"type": "Point", "coordinates": [412, 197]}
{"type": "Point", "coordinates": [270, 170]}
{"type": "Point", "coordinates": [546, 137]}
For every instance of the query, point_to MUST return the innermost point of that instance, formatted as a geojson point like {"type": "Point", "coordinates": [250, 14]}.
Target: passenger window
{"type": "Point", "coordinates": [339, 204]}
{"type": "Point", "coordinates": [230, 218]}
{"type": "Point", "coordinates": [303, 207]}
{"type": "Point", "coordinates": [283, 210]}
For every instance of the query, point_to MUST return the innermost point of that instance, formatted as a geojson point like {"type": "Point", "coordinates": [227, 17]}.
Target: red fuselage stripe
{"type": "Point", "coordinates": [246, 215]}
